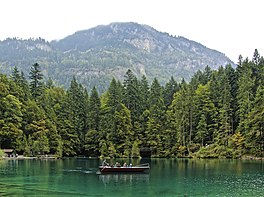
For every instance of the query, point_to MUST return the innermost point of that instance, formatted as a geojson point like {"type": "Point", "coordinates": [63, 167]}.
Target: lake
{"type": "Point", "coordinates": [167, 177]}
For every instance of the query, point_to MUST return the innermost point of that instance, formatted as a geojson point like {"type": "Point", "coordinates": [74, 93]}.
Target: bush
{"type": "Point", "coordinates": [216, 151]}
{"type": "Point", "coordinates": [182, 151]}
{"type": "Point", "coordinates": [1, 153]}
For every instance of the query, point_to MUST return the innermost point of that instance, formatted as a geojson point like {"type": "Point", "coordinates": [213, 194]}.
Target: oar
{"type": "Point", "coordinates": [103, 168]}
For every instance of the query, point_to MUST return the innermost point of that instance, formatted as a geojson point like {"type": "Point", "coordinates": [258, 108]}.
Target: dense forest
{"type": "Point", "coordinates": [219, 113]}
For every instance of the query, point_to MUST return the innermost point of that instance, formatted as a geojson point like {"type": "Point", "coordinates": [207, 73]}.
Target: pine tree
{"type": "Point", "coordinates": [94, 110]}
{"type": "Point", "coordinates": [115, 97]}
{"type": "Point", "coordinates": [206, 107]}
{"type": "Point", "coordinates": [221, 87]}
{"type": "Point", "coordinates": [123, 134]}
{"type": "Point", "coordinates": [170, 88]}
{"type": "Point", "coordinates": [144, 94]}
{"type": "Point", "coordinates": [20, 88]}
{"type": "Point", "coordinates": [255, 135]}
{"type": "Point", "coordinates": [202, 130]}
{"type": "Point", "coordinates": [135, 152]}
{"type": "Point", "coordinates": [77, 109]}
{"type": "Point", "coordinates": [155, 122]}
{"type": "Point", "coordinates": [25, 87]}
{"type": "Point", "coordinates": [40, 140]}
{"type": "Point", "coordinates": [245, 95]}
{"type": "Point", "coordinates": [232, 79]}
{"type": "Point", "coordinates": [93, 136]}
{"type": "Point", "coordinates": [72, 119]}
{"type": "Point", "coordinates": [156, 101]}
{"type": "Point", "coordinates": [178, 116]}
{"type": "Point", "coordinates": [36, 84]}
{"type": "Point", "coordinates": [92, 142]}
{"type": "Point", "coordinates": [15, 75]}
{"type": "Point", "coordinates": [131, 96]}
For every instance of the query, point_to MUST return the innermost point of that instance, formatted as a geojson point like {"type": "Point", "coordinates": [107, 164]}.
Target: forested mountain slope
{"type": "Point", "coordinates": [98, 54]}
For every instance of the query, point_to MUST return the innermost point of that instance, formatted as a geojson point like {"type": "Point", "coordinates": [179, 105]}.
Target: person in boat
{"type": "Point", "coordinates": [105, 163]}
{"type": "Point", "coordinates": [125, 164]}
{"type": "Point", "coordinates": [117, 164]}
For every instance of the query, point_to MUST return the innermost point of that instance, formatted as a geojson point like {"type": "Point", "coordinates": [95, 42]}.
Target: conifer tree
{"type": "Point", "coordinates": [144, 94]}
{"type": "Point", "coordinates": [135, 152]}
{"type": "Point", "coordinates": [206, 107]}
{"type": "Point", "coordinates": [255, 135]}
{"type": "Point", "coordinates": [123, 134]}
{"type": "Point", "coordinates": [220, 87]}
{"type": "Point", "coordinates": [93, 137]}
{"type": "Point", "coordinates": [232, 79]}
{"type": "Point", "coordinates": [15, 75]}
{"type": "Point", "coordinates": [157, 117]}
{"type": "Point", "coordinates": [36, 84]}
{"type": "Point", "coordinates": [77, 109]}
{"type": "Point", "coordinates": [156, 101]}
{"type": "Point", "coordinates": [245, 95]}
{"type": "Point", "coordinates": [72, 119]}
{"type": "Point", "coordinates": [178, 116]}
{"type": "Point", "coordinates": [94, 110]}
{"type": "Point", "coordinates": [115, 93]}
{"type": "Point", "coordinates": [202, 130]}
{"type": "Point", "coordinates": [131, 95]}
{"type": "Point", "coordinates": [170, 88]}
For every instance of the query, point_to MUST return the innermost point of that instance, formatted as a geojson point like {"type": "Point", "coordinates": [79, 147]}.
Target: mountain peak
{"type": "Point", "coordinates": [142, 37]}
{"type": "Point", "coordinates": [96, 55]}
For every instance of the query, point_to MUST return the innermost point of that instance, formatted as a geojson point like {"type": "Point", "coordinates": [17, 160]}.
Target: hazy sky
{"type": "Point", "coordinates": [231, 26]}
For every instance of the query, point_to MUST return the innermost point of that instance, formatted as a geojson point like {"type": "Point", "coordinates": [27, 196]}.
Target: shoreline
{"type": "Point", "coordinates": [21, 157]}
{"type": "Point", "coordinates": [246, 157]}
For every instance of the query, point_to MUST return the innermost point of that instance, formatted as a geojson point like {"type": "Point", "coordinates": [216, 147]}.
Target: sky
{"type": "Point", "coordinates": [232, 27]}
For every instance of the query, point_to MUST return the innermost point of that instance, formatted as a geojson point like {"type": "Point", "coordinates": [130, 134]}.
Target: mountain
{"type": "Point", "coordinates": [96, 55]}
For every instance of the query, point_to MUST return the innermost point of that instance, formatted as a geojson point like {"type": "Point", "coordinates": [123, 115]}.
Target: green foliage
{"type": "Point", "coordinates": [135, 152]}
{"type": "Point", "coordinates": [237, 144]}
{"type": "Point", "coordinates": [92, 143]}
{"type": "Point", "coordinates": [1, 153]}
{"type": "Point", "coordinates": [170, 88]}
{"type": "Point", "coordinates": [103, 149]}
{"type": "Point", "coordinates": [218, 114]}
{"type": "Point", "coordinates": [202, 130]}
{"type": "Point", "coordinates": [36, 84]}
{"type": "Point", "coordinates": [131, 95]}
{"type": "Point", "coordinates": [94, 110]}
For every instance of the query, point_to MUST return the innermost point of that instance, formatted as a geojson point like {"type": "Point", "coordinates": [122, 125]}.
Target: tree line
{"type": "Point", "coordinates": [219, 113]}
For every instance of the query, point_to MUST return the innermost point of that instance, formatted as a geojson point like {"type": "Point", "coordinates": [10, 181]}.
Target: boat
{"type": "Point", "coordinates": [124, 169]}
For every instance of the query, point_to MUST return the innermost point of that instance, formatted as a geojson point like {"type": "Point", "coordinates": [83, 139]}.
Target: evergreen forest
{"type": "Point", "coordinates": [217, 114]}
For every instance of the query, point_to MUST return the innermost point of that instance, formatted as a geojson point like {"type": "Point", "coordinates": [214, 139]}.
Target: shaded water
{"type": "Point", "coordinates": [167, 177]}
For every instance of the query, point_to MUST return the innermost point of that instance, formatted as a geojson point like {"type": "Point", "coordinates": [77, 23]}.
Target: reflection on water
{"type": "Point", "coordinates": [124, 178]}
{"type": "Point", "coordinates": [166, 177]}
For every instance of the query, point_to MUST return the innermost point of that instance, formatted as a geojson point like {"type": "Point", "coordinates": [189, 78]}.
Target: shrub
{"type": "Point", "coordinates": [1, 153]}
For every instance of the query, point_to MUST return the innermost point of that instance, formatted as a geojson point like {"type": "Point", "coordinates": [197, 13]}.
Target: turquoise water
{"type": "Point", "coordinates": [167, 177]}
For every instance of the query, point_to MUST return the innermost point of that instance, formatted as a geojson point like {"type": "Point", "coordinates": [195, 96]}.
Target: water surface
{"type": "Point", "coordinates": [167, 177]}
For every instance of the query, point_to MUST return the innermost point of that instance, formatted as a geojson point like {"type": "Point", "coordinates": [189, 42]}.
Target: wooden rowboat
{"type": "Point", "coordinates": [133, 169]}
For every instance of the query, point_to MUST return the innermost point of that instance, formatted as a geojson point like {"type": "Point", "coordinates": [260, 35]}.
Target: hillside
{"type": "Point", "coordinates": [96, 55]}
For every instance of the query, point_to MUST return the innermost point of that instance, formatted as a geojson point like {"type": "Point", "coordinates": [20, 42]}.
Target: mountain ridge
{"type": "Point", "coordinates": [97, 54]}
